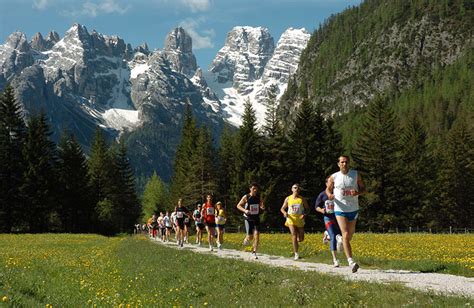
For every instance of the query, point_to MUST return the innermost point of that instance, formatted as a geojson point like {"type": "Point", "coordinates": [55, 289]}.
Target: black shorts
{"type": "Point", "coordinates": [200, 225]}
{"type": "Point", "coordinates": [251, 226]}
{"type": "Point", "coordinates": [180, 223]}
{"type": "Point", "coordinates": [220, 227]}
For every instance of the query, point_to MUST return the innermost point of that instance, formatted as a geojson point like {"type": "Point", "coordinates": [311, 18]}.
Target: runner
{"type": "Point", "coordinates": [174, 224]}
{"type": "Point", "coordinates": [187, 226]}
{"type": "Point", "coordinates": [161, 226]}
{"type": "Point", "coordinates": [344, 187]}
{"type": "Point", "coordinates": [208, 214]}
{"type": "Point", "coordinates": [220, 224]}
{"type": "Point", "coordinates": [199, 224]}
{"type": "Point", "coordinates": [326, 207]}
{"type": "Point", "coordinates": [251, 206]}
{"type": "Point", "coordinates": [293, 209]}
{"type": "Point", "coordinates": [167, 221]}
{"type": "Point", "coordinates": [181, 214]}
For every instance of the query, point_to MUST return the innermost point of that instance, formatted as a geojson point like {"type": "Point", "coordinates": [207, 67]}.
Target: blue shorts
{"type": "Point", "coordinates": [349, 215]}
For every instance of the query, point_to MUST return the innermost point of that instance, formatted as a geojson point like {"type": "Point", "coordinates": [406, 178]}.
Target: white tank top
{"type": "Point", "coordinates": [343, 183]}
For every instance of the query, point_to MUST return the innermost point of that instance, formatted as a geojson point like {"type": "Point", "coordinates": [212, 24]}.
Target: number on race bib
{"type": "Point", "coordinates": [210, 211]}
{"type": "Point", "coordinates": [329, 205]}
{"type": "Point", "coordinates": [295, 208]}
{"type": "Point", "coordinates": [179, 214]}
{"type": "Point", "coordinates": [254, 208]}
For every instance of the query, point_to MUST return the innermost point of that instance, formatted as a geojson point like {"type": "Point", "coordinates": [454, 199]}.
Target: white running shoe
{"type": "Point", "coordinates": [297, 256]}
{"type": "Point", "coordinates": [211, 248]}
{"type": "Point", "coordinates": [254, 254]}
{"type": "Point", "coordinates": [340, 246]}
{"type": "Point", "coordinates": [354, 267]}
{"type": "Point", "coordinates": [336, 263]}
{"type": "Point", "coordinates": [246, 242]}
{"type": "Point", "coordinates": [326, 237]}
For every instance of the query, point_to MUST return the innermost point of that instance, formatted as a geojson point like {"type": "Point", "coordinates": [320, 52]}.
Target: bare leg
{"type": "Point", "coordinates": [294, 237]}
{"type": "Point", "coordinates": [347, 229]}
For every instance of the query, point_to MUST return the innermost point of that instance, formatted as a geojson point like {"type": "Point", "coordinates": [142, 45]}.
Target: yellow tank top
{"type": "Point", "coordinates": [295, 205]}
{"type": "Point", "coordinates": [220, 218]}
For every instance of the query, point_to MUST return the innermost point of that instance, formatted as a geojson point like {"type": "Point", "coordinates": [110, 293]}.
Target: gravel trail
{"type": "Point", "coordinates": [439, 283]}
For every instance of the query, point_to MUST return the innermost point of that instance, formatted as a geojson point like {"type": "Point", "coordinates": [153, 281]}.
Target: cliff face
{"type": "Point", "coordinates": [377, 47]}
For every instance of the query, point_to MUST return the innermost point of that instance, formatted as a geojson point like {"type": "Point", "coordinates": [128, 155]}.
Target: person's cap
{"type": "Point", "coordinates": [219, 203]}
{"type": "Point", "coordinates": [199, 205]}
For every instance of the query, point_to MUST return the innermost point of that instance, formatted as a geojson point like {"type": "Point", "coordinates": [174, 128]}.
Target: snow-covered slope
{"type": "Point", "coordinates": [249, 66]}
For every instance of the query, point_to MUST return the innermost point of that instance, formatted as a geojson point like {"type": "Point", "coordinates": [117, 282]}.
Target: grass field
{"type": "Point", "coordinates": [442, 253]}
{"type": "Point", "coordinates": [52, 270]}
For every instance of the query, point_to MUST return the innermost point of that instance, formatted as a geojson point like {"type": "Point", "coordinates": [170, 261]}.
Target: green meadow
{"type": "Point", "coordinates": [127, 271]}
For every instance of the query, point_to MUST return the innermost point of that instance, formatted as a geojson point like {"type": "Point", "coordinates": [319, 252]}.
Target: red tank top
{"type": "Point", "coordinates": [209, 213]}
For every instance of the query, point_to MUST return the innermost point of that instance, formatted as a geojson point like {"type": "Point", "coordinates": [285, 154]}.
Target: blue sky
{"type": "Point", "coordinates": [137, 21]}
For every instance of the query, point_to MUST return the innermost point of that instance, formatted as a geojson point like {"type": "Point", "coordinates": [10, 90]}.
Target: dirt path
{"type": "Point", "coordinates": [438, 283]}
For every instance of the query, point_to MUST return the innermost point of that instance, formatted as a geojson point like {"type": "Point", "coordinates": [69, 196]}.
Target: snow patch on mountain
{"type": "Point", "coordinates": [248, 66]}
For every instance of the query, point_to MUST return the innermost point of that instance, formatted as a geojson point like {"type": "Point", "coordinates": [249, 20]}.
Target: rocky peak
{"type": "Point", "coordinates": [285, 59]}
{"type": "Point", "coordinates": [143, 48]}
{"type": "Point", "coordinates": [53, 37]}
{"type": "Point", "coordinates": [243, 57]}
{"type": "Point", "coordinates": [38, 42]}
{"type": "Point", "coordinates": [178, 50]}
{"type": "Point", "coordinates": [18, 41]}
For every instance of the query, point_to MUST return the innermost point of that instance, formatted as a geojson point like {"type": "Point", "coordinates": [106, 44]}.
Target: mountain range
{"type": "Point", "coordinates": [87, 79]}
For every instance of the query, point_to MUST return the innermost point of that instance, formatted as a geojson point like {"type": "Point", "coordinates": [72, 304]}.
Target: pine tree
{"type": "Point", "coordinates": [39, 188]}
{"type": "Point", "coordinates": [456, 178]}
{"type": "Point", "coordinates": [249, 153]}
{"type": "Point", "coordinates": [182, 183]}
{"type": "Point", "coordinates": [272, 171]}
{"type": "Point", "coordinates": [203, 167]}
{"type": "Point", "coordinates": [75, 207]}
{"type": "Point", "coordinates": [226, 171]}
{"type": "Point", "coordinates": [124, 197]}
{"type": "Point", "coordinates": [375, 153]}
{"type": "Point", "coordinates": [12, 139]}
{"type": "Point", "coordinates": [154, 197]}
{"type": "Point", "coordinates": [101, 173]}
{"type": "Point", "coordinates": [416, 175]}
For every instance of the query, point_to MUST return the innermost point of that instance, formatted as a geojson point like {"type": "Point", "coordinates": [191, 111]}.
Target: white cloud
{"type": "Point", "coordinates": [200, 41]}
{"type": "Point", "coordinates": [40, 4]}
{"type": "Point", "coordinates": [197, 5]}
{"type": "Point", "coordinates": [98, 7]}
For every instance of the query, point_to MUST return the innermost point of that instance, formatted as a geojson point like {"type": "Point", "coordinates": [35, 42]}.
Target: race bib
{"type": "Point", "coordinates": [295, 208]}
{"type": "Point", "coordinates": [179, 214]}
{"type": "Point", "coordinates": [329, 205]}
{"type": "Point", "coordinates": [210, 211]}
{"type": "Point", "coordinates": [254, 208]}
{"type": "Point", "coordinates": [346, 193]}
{"type": "Point", "coordinates": [186, 220]}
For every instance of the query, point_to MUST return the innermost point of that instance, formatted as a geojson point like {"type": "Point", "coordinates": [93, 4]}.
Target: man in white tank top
{"type": "Point", "coordinates": [344, 187]}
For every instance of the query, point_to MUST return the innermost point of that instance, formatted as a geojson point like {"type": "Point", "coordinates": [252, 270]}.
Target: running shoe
{"type": "Point", "coordinates": [326, 237]}
{"type": "Point", "coordinates": [211, 248]}
{"type": "Point", "coordinates": [340, 246]}
{"type": "Point", "coordinates": [246, 242]}
{"type": "Point", "coordinates": [297, 256]}
{"type": "Point", "coordinates": [354, 267]}
{"type": "Point", "coordinates": [336, 263]}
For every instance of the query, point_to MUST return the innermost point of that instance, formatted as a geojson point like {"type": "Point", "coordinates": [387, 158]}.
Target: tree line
{"type": "Point", "coordinates": [48, 187]}
{"type": "Point", "coordinates": [414, 179]}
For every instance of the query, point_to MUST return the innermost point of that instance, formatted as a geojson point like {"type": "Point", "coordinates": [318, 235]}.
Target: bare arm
{"type": "Point", "coordinates": [330, 188]}
{"type": "Point", "coordinates": [284, 207]}
{"type": "Point", "coordinates": [361, 185]}
{"type": "Point", "coordinates": [306, 207]}
{"type": "Point", "coordinates": [240, 205]}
